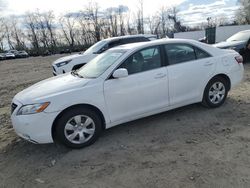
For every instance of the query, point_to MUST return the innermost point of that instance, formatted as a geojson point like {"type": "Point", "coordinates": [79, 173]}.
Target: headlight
{"type": "Point", "coordinates": [32, 108]}
{"type": "Point", "coordinates": [63, 63]}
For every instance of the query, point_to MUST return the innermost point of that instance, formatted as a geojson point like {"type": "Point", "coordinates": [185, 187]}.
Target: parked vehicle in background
{"type": "Point", "coordinates": [22, 54]}
{"type": "Point", "coordinates": [2, 56]}
{"type": "Point", "coordinates": [9, 55]}
{"type": "Point", "coordinates": [246, 53]}
{"type": "Point", "coordinates": [74, 62]}
{"type": "Point", "coordinates": [15, 52]}
{"type": "Point", "coordinates": [236, 42]}
{"type": "Point", "coordinates": [123, 84]}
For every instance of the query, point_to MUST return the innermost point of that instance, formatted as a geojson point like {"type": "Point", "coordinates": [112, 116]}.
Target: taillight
{"type": "Point", "coordinates": [239, 59]}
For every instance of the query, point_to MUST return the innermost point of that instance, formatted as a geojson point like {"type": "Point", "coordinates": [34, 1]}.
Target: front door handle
{"type": "Point", "coordinates": [160, 75]}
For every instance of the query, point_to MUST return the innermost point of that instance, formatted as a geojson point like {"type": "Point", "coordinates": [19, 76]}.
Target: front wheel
{"type": "Point", "coordinates": [78, 127]}
{"type": "Point", "coordinates": [215, 92]}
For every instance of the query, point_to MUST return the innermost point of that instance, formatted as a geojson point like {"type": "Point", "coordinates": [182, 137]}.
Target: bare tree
{"type": "Point", "coordinates": [112, 21]}
{"type": "Point", "coordinates": [49, 19]}
{"type": "Point", "coordinates": [68, 24]}
{"type": "Point", "coordinates": [85, 30]}
{"type": "Point", "coordinates": [164, 20]}
{"type": "Point", "coordinates": [139, 20]}
{"type": "Point", "coordinates": [45, 22]}
{"type": "Point", "coordinates": [2, 34]}
{"type": "Point", "coordinates": [92, 12]}
{"type": "Point", "coordinates": [154, 24]}
{"type": "Point", "coordinates": [121, 11]}
{"type": "Point", "coordinates": [8, 35]}
{"type": "Point", "coordinates": [177, 23]}
{"type": "Point", "coordinates": [16, 33]}
{"type": "Point", "coordinates": [32, 31]}
{"type": "Point", "coordinates": [243, 14]}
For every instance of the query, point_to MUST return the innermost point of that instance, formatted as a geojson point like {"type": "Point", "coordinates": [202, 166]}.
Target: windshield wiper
{"type": "Point", "coordinates": [75, 73]}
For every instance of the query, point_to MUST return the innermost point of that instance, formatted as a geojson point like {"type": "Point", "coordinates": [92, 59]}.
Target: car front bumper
{"type": "Point", "coordinates": [58, 70]}
{"type": "Point", "coordinates": [36, 128]}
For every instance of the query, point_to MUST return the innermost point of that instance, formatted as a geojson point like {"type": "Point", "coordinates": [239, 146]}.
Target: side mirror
{"type": "Point", "coordinates": [120, 73]}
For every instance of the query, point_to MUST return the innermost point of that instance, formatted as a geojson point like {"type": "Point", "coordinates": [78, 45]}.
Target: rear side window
{"type": "Point", "coordinates": [200, 54]}
{"type": "Point", "coordinates": [178, 53]}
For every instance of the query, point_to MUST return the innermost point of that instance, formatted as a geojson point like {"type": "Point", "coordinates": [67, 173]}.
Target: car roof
{"type": "Point", "coordinates": [130, 36]}
{"type": "Point", "coordinates": [136, 46]}
{"type": "Point", "coordinates": [152, 43]}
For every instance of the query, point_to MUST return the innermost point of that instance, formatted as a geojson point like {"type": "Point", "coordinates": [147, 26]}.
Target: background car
{"type": "Point", "coordinates": [74, 62]}
{"type": "Point", "coordinates": [9, 55]}
{"type": "Point", "coordinates": [15, 52]}
{"type": "Point", "coordinates": [123, 84]}
{"type": "Point", "coordinates": [22, 54]}
{"type": "Point", "coordinates": [236, 42]}
{"type": "Point", "coordinates": [2, 56]}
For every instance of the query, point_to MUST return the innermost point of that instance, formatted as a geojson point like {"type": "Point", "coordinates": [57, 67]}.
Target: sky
{"type": "Point", "coordinates": [192, 12]}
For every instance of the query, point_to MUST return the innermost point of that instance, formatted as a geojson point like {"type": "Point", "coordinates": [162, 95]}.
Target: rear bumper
{"type": "Point", "coordinates": [236, 76]}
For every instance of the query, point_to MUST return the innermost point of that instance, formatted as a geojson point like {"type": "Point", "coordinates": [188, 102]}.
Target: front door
{"type": "Point", "coordinates": [144, 90]}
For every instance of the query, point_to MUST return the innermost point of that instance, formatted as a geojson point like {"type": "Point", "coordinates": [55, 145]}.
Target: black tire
{"type": "Point", "coordinates": [69, 114]}
{"type": "Point", "coordinates": [206, 101]}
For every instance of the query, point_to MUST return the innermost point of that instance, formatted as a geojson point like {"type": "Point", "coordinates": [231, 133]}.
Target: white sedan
{"type": "Point", "coordinates": [123, 84]}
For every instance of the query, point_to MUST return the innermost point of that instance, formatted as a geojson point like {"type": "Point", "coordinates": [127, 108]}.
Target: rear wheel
{"type": "Point", "coordinates": [78, 127]}
{"type": "Point", "coordinates": [215, 92]}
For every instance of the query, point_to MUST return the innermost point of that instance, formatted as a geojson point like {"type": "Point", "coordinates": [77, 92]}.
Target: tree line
{"type": "Point", "coordinates": [45, 33]}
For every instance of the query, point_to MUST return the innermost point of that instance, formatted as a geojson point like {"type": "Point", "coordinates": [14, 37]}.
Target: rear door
{"type": "Point", "coordinates": [189, 70]}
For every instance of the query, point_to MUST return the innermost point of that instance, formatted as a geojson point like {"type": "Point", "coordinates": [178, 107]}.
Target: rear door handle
{"type": "Point", "coordinates": [160, 75]}
{"type": "Point", "coordinates": [208, 63]}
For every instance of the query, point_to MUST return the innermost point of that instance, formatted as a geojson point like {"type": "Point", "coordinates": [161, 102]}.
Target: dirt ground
{"type": "Point", "coordinates": [188, 147]}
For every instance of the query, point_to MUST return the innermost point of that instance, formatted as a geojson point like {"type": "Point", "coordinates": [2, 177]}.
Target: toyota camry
{"type": "Point", "coordinates": [124, 83]}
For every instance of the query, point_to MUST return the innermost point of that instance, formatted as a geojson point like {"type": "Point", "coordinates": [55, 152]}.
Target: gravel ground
{"type": "Point", "coordinates": [188, 147]}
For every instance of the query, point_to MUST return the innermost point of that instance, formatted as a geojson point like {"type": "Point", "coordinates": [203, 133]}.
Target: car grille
{"type": "Point", "coordinates": [13, 107]}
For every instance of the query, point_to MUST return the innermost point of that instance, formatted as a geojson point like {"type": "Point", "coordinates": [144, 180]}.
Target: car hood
{"type": "Point", "coordinates": [66, 58]}
{"type": "Point", "coordinates": [50, 87]}
{"type": "Point", "coordinates": [85, 57]}
{"type": "Point", "coordinates": [227, 44]}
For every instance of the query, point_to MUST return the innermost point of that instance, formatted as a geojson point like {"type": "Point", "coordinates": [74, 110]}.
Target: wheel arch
{"type": "Point", "coordinates": [224, 76]}
{"type": "Point", "coordinates": [88, 106]}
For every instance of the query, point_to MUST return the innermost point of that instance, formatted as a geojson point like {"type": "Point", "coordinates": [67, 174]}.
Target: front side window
{"type": "Point", "coordinates": [143, 60]}
{"type": "Point", "coordinates": [178, 53]}
{"type": "Point", "coordinates": [100, 64]}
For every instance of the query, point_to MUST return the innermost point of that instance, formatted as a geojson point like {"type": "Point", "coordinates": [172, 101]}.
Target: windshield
{"type": "Point", "coordinates": [100, 64]}
{"type": "Point", "coordinates": [242, 36]}
{"type": "Point", "coordinates": [96, 47]}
